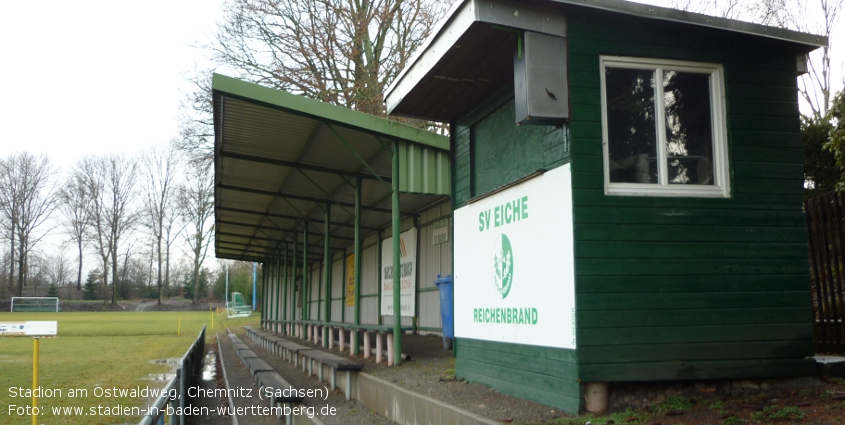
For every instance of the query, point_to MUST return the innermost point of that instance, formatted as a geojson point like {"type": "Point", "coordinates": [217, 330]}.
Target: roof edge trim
{"type": "Point", "coordinates": [681, 16]}
{"type": "Point", "coordinates": [322, 111]}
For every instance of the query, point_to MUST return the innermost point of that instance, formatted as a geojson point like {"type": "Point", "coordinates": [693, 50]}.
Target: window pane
{"type": "Point", "coordinates": [689, 138]}
{"type": "Point", "coordinates": [631, 140]}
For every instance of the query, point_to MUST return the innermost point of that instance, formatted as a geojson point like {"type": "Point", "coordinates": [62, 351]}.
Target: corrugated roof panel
{"type": "Point", "coordinates": [255, 129]}
{"type": "Point", "coordinates": [423, 170]}
{"type": "Point", "coordinates": [313, 109]}
{"type": "Point", "coordinates": [312, 184]}
{"type": "Point", "coordinates": [341, 152]}
{"type": "Point", "coordinates": [281, 158]}
{"type": "Point", "coordinates": [254, 175]}
{"type": "Point", "coordinates": [244, 199]}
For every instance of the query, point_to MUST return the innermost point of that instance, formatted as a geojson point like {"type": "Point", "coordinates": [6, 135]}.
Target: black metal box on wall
{"type": "Point", "coordinates": [540, 80]}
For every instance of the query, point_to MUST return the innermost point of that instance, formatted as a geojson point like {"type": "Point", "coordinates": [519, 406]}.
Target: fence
{"type": "Point", "coordinates": [187, 375]}
{"type": "Point", "coordinates": [826, 237]}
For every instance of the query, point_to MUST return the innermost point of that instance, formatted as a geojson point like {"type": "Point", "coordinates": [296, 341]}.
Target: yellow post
{"type": "Point", "coordinates": [35, 345]}
{"type": "Point", "coordinates": [212, 321]}
{"type": "Point", "coordinates": [179, 328]}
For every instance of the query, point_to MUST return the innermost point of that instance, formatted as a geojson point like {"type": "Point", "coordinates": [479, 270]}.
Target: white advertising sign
{"type": "Point", "coordinates": [514, 264]}
{"type": "Point", "coordinates": [408, 270]}
{"type": "Point", "coordinates": [29, 328]}
{"type": "Point", "coordinates": [440, 231]}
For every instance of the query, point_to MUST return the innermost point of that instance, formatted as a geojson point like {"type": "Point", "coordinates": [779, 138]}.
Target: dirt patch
{"type": "Point", "coordinates": [431, 372]}
{"type": "Point", "coordinates": [812, 401]}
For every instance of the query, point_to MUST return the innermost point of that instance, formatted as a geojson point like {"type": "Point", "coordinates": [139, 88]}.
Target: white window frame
{"type": "Point", "coordinates": [721, 179]}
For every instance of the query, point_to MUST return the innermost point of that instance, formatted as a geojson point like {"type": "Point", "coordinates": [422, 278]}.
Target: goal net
{"type": "Point", "coordinates": [23, 304]}
{"type": "Point", "coordinates": [238, 307]}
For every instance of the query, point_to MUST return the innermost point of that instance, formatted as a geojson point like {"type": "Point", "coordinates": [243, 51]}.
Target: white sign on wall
{"type": "Point", "coordinates": [408, 270]}
{"type": "Point", "coordinates": [440, 231]}
{"type": "Point", "coordinates": [514, 264]}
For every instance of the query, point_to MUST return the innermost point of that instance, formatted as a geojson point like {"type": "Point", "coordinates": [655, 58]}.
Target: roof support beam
{"type": "Point", "coordinates": [237, 235]}
{"type": "Point", "coordinates": [301, 198]}
{"type": "Point", "coordinates": [301, 288]}
{"type": "Point", "coordinates": [301, 166]}
{"type": "Point", "coordinates": [263, 252]}
{"type": "Point", "coordinates": [354, 152]}
{"type": "Point", "coordinates": [356, 271]}
{"type": "Point", "coordinates": [254, 226]}
{"type": "Point", "coordinates": [241, 258]}
{"type": "Point", "coordinates": [285, 282]}
{"type": "Point", "coordinates": [239, 245]}
{"type": "Point", "coordinates": [397, 276]}
{"type": "Point", "coordinates": [305, 272]}
{"type": "Point", "coordinates": [327, 275]}
{"type": "Point", "coordinates": [290, 217]}
{"type": "Point", "coordinates": [258, 226]}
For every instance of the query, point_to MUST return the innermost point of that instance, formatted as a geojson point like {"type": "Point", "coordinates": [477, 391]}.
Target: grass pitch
{"type": "Point", "coordinates": [94, 352]}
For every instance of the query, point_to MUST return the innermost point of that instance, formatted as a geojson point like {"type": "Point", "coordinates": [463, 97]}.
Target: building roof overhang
{"type": "Point", "coordinates": [281, 161]}
{"type": "Point", "coordinates": [470, 53]}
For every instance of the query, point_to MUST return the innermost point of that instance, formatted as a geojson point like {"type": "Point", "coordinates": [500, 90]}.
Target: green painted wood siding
{"type": "Point", "coordinates": [542, 374]}
{"type": "Point", "coordinates": [490, 151]}
{"type": "Point", "coordinates": [691, 288]}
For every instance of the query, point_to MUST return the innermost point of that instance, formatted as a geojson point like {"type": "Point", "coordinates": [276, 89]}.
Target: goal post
{"type": "Point", "coordinates": [29, 304]}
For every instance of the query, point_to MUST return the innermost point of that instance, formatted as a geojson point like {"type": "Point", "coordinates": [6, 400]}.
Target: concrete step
{"type": "Point", "coordinates": [400, 405]}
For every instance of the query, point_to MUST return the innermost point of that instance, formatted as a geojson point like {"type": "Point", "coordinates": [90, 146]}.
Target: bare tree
{"type": "Point", "coordinates": [125, 282]}
{"type": "Point", "coordinates": [110, 180]}
{"type": "Point", "coordinates": [75, 204]}
{"type": "Point", "coordinates": [95, 186]}
{"type": "Point", "coordinates": [159, 168]}
{"type": "Point", "coordinates": [29, 197]}
{"type": "Point", "coordinates": [340, 52]}
{"type": "Point", "coordinates": [196, 201]}
{"type": "Point", "coordinates": [38, 272]}
{"type": "Point", "coordinates": [766, 12]}
{"type": "Point", "coordinates": [9, 208]}
{"type": "Point", "coordinates": [4, 284]}
{"type": "Point", "coordinates": [121, 172]}
{"type": "Point", "coordinates": [811, 16]}
{"type": "Point", "coordinates": [815, 86]}
{"type": "Point", "coordinates": [58, 271]}
{"type": "Point", "coordinates": [196, 126]}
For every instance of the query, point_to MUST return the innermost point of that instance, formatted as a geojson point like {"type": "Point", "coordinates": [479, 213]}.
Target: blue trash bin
{"type": "Point", "coordinates": [444, 285]}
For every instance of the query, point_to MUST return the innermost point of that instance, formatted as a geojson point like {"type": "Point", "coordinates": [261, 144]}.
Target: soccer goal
{"type": "Point", "coordinates": [25, 304]}
{"type": "Point", "coordinates": [238, 307]}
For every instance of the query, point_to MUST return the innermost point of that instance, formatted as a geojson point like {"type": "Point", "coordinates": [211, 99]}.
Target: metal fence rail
{"type": "Point", "coordinates": [187, 375]}
{"type": "Point", "coordinates": [826, 237]}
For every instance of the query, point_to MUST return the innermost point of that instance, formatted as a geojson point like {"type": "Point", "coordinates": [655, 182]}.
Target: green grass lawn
{"type": "Point", "coordinates": [97, 350]}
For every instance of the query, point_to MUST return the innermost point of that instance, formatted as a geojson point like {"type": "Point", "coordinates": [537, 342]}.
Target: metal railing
{"type": "Point", "coordinates": [187, 375]}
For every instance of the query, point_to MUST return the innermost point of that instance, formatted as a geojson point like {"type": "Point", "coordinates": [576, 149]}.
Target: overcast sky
{"type": "Point", "coordinates": [94, 76]}
{"type": "Point", "coordinates": [87, 77]}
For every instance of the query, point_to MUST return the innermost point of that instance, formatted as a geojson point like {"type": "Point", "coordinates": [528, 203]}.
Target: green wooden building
{"type": "Point", "coordinates": [626, 185]}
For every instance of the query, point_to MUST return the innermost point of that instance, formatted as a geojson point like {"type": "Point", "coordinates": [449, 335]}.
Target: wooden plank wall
{"type": "Point", "coordinates": [692, 288]}
{"type": "Point", "coordinates": [541, 374]}
{"type": "Point", "coordinates": [491, 152]}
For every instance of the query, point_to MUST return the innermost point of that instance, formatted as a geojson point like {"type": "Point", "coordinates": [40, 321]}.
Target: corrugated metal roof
{"type": "Point", "coordinates": [280, 159]}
